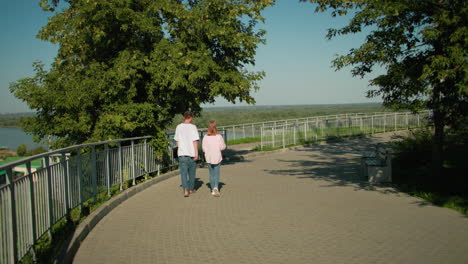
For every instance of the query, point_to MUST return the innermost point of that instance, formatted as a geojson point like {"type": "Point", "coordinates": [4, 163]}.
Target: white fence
{"type": "Point", "coordinates": [301, 131]}
{"type": "Point", "coordinates": [252, 130]}
{"type": "Point", "coordinates": [31, 204]}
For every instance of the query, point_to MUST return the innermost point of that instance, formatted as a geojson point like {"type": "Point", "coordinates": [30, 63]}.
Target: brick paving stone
{"type": "Point", "coordinates": [307, 205]}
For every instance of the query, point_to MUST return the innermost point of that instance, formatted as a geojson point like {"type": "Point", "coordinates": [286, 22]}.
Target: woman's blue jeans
{"type": "Point", "coordinates": [187, 167]}
{"type": "Point", "coordinates": [214, 175]}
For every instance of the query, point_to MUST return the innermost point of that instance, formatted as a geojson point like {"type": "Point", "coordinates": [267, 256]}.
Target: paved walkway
{"type": "Point", "coordinates": [301, 206]}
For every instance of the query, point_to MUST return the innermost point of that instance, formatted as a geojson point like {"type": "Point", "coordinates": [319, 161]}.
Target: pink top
{"type": "Point", "coordinates": [212, 146]}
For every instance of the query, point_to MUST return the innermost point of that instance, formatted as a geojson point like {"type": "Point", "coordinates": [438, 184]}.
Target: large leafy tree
{"type": "Point", "coordinates": [421, 46]}
{"type": "Point", "coordinates": [126, 67]}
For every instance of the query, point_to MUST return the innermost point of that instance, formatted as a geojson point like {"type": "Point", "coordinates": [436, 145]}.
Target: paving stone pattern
{"type": "Point", "coordinates": [307, 205]}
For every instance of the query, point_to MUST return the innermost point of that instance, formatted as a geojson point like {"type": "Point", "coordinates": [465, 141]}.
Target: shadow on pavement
{"type": "Point", "coordinates": [220, 186]}
{"type": "Point", "coordinates": [231, 156]}
{"type": "Point", "coordinates": [337, 163]}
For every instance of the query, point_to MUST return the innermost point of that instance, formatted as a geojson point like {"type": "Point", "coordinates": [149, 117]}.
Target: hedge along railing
{"type": "Point", "coordinates": [252, 130]}
{"type": "Point", "coordinates": [293, 133]}
{"type": "Point", "coordinates": [32, 203]}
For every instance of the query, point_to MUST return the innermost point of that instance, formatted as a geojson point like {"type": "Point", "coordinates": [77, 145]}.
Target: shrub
{"type": "Point", "coordinates": [36, 151]}
{"type": "Point", "coordinates": [414, 150]}
{"type": "Point", "coordinates": [22, 149]}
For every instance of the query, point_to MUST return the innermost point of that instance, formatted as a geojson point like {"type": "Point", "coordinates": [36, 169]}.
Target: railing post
{"type": "Point", "coordinates": [294, 134]}
{"type": "Point", "coordinates": [282, 134]}
{"type": "Point", "coordinates": [360, 125]}
{"type": "Point", "coordinates": [418, 118]}
{"type": "Point", "coordinates": [106, 148]}
{"type": "Point", "coordinates": [395, 127]}
{"type": "Point", "coordinates": [384, 122]}
{"type": "Point", "coordinates": [133, 162]}
{"type": "Point", "coordinates": [66, 185]}
{"type": "Point", "coordinates": [14, 228]}
{"type": "Point", "coordinates": [305, 131]}
{"type": "Point", "coordinates": [372, 124]}
{"type": "Point", "coordinates": [273, 136]}
{"type": "Point", "coordinates": [80, 178]}
{"type": "Point", "coordinates": [261, 137]}
{"type": "Point", "coordinates": [337, 126]}
{"type": "Point", "coordinates": [253, 131]}
{"type": "Point", "coordinates": [32, 203]}
{"type": "Point", "coordinates": [120, 166]}
{"type": "Point", "coordinates": [321, 128]}
{"type": "Point", "coordinates": [407, 122]}
{"type": "Point", "coordinates": [243, 130]}
{"type": "Point", "coordinates": [94, 172]}
{"type": "Point", "coordinates": [233, 132]}
{"type": "Point", "coordinates": [49, 195]}
{"type": "Point", "coordinates": [145, 157]}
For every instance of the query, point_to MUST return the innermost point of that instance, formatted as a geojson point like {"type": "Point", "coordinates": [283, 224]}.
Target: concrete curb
{"type": "Point", "coordinates": [72, 244]}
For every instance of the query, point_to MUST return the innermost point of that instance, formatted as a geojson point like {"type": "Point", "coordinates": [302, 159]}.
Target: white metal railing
{"type": "Point", "coordinates": [253, 130]}
{"type": "Point", "coordinates": [32, 203]}
{"type": "Point", "coordinates": [293, 133]}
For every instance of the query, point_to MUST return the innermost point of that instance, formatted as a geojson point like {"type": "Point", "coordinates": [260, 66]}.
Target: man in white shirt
{"type": "Point", "coordinates": [186, 136]}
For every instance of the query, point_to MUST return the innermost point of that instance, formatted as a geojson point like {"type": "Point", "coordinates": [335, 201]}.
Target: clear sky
{"type": "Point", "coordinates": [296, 57]}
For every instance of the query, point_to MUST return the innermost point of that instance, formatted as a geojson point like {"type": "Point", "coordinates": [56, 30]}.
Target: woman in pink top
{"type": "Point", "coordinates": [212, 145]}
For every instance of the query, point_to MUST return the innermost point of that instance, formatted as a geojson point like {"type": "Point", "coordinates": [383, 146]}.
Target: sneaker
{"type": "Point", "coordinates": [216, 193]}
{"type": "Point", "coordinates": [213, 193]}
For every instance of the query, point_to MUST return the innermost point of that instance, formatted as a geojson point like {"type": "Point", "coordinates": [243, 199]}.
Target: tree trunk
{"type": "Point", "coordinates": [438, 143]}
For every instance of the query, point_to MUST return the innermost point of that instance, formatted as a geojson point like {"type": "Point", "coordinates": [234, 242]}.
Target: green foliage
{"type": "Point", "coordinates": [125, 68]}
{"type": "Point", "coordinates": [415, 149]}
{"type": "Point", "coordinates": [422, 45]}
{"type": "Point", "coordinates": [412, 169]}
{"type": "Point", "coordinates": [36, 151]}
{"type": "Point", "coordinates": [22, 149]}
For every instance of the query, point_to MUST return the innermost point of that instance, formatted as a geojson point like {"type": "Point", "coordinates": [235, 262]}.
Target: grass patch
{"type": "Point", "coordinates": [36, 162]}
{"type": "Point", "coordinates": [243, 140]}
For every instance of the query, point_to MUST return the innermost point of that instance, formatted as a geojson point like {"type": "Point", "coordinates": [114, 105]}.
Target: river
{"type": "Point", "coordinates": [13, 137]}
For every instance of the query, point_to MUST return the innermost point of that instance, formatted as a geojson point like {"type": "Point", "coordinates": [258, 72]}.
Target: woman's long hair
{"type": "Point", "coordinates": [212, 131]}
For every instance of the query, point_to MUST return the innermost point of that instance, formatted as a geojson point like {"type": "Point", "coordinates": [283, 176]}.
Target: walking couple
{"type": "Point", "coordinates": [187, 138]}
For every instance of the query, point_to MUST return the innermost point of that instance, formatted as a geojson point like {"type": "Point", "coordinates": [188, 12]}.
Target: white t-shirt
{"type": "Point", "coordinates": [185, 134]}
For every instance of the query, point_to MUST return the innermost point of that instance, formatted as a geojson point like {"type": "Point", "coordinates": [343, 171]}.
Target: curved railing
{"type": "Point", "coordinates": [256, 130]}
{"type": "Point", "coordinates": [285, 134]}
{"type": "Point", "coordinates": [32, 201]}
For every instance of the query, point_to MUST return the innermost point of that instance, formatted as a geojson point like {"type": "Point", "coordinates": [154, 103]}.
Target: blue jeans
{"type": "Point", "coordinates": [187, 168]}
{"type": "Point", "coordinates": [214, 175]}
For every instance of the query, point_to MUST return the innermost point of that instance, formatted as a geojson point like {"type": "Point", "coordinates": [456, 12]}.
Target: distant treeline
{"type": "Point", "coordinates": [246, 114]}
{"type": "Point", "coordinates": [12, 119]}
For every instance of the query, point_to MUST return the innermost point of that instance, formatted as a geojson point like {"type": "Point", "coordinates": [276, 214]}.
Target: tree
{"type": "Point", "coordinates": [21, 150]}
{"type": "Point", "coordinates": [423, 47]}
{"type": "Point", "coordinates": [125, 68]}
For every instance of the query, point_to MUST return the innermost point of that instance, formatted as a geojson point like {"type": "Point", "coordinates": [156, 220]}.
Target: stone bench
{"type": "Point", "coordinates": [377, 165]}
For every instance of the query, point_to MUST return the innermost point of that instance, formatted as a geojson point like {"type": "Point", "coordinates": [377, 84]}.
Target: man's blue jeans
{"type": "Point", "coordinates": [214, 175]}
{"type": "Point", "coordinates": [187, 167]}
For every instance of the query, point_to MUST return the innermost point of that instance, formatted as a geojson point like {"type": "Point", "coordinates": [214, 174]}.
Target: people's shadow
{"type": "Point", "coordinates": [220, 185]}
{"type": "Point", "coordinates": [198, 183]}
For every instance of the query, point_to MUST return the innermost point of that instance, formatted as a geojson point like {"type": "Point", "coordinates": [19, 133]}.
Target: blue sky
{"type": "Point", "coordinates": [296, 57]}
